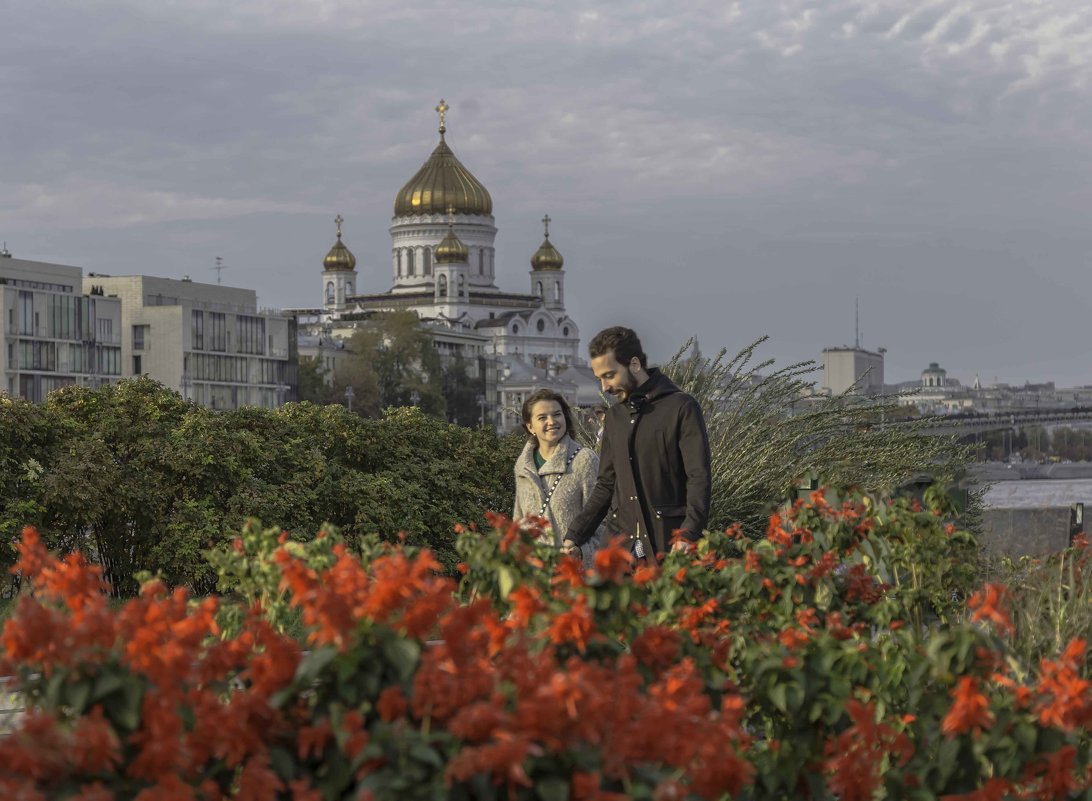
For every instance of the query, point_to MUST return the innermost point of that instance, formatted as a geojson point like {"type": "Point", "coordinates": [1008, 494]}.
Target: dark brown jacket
{"type": "Point", "coordinates": [653, 467]}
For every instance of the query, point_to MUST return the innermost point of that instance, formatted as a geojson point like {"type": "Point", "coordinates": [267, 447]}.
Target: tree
{"type": "Point", "coordinates": [461, 392]}
{"type": "Point", "coordinates": [404, 359]}
{"type": "Point", "coordinates": [312, 380]}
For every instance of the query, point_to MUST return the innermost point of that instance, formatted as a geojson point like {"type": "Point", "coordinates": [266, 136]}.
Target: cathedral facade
{"type": "Point", "coordinates": [444, 269]}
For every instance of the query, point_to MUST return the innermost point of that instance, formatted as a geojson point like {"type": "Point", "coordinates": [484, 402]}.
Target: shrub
{"type": "Point", "coordinates": [789, 666]}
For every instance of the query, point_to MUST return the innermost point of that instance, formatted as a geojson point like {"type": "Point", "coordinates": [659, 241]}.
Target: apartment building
{"type": "Point", "coordinates": [55, 332]}
{"type": "Point", "coordinates": [208, 341]}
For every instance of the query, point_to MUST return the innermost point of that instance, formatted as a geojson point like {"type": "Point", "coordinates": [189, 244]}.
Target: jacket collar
{"type": "Point", "coordinates": [557, 463]}
{"type": "Point", "coordinates": [655, 387]}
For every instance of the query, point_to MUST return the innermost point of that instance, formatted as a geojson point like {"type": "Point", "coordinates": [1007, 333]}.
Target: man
{"type": "Point", "coordinates": [654, 460]}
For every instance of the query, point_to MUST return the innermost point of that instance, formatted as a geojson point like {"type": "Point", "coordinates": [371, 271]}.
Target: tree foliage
{"type": "Point", "coordinates": [139, 480]}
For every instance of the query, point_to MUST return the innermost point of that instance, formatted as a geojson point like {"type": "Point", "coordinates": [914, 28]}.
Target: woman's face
{"type": "Point", "coordinates": [547, 422]}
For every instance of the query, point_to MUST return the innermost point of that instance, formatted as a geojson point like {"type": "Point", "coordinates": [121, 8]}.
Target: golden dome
{"type": "Point", "coordinates": [339, 257]}
{"type": "Point", "coordinates": [451, 250]}
{"type": "Point", "coordinates": [441, 182]}
{"type": "Point", "coordinates": [547, 257]}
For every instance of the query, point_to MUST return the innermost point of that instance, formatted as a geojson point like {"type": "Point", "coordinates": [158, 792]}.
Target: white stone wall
{"type": "Point", "coordinates": [424, 233]}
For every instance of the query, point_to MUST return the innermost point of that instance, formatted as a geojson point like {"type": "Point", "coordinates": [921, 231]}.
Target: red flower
{"type": "Point", "coordinates": [969, 712]}
{"type": "Point", "coordinates": [657, 647]}
{"type": "Point", "coordinates": [574, 626]}
{"type": "Point", "coordinates": [1064, 698]}
{"type": "Point", "coordinates": [391, 704]}
{"type": "Point", "coordinates": [854, 758]}
{"type": "Point", "coordinates": [992, 790]}
{"type": "Point", "coordinates": [989, 605]}
{"type": "Point", "coordinates": [613, 562]}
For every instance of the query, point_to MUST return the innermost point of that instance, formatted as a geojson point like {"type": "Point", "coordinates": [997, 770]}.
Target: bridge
{"type": "Point", "coordinates": [966, 423]}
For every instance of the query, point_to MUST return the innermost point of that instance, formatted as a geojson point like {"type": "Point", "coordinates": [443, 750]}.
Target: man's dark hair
{"type": "Point", "coordinates": [623, 342]}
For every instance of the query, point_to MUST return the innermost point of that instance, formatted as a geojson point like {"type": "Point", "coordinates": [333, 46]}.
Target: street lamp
{"type": "Point", "coordinates": [349, 397]}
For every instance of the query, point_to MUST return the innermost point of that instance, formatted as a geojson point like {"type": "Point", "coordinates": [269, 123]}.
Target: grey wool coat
{"type": "Point", "coordinates": [577, 480]}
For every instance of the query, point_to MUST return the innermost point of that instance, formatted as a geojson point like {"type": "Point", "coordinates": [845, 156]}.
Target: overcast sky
{"type": "Point", "coordinates": [714, 168]}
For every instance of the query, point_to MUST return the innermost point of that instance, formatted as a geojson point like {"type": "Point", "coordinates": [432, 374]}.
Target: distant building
{"type": "Point", "coordinates": [55, 333]}
{"type": "Point", "coordinates": [443, 269]}
{"type": "Point", "coordinates": [209, 342]}
{"type": "Point", "coordinates": [844, 367]}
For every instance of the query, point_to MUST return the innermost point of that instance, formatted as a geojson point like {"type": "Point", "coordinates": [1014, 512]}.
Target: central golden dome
{"type": "Point", "coordinates": [442, 182]}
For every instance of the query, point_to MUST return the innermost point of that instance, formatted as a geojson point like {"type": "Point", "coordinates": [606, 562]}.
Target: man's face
{"type": "Point", "coordinates": [616, 379]}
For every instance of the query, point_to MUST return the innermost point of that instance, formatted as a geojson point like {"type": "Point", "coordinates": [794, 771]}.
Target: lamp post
{"type": "Point", "coordinates": [349, 397]}
{"type": "Point", "coordinates": [481, 405]}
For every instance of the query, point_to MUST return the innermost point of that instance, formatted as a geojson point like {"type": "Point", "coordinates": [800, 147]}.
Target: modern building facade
{"type": "Point", "coordinates": [209, 342]}
{"type": "Point", "coordinates": [55, 333]}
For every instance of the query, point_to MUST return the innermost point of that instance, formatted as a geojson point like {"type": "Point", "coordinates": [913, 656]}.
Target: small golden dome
{"type": "Point", "coordinates": [547, 257]}
{"type": "Point", "coordinates": [441, 182]}
{"type": "Point", "coordinates": [339, 257]}
{"type": "Point", "coordinates": [451, 250]}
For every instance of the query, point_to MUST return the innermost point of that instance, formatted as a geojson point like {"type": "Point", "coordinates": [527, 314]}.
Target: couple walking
{"type": "Point", "coordinates": [651, 477]}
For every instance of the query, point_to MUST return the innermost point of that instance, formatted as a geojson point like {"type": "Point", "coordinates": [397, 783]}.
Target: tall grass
{"type": "Point", "coordinates": [768, 429]}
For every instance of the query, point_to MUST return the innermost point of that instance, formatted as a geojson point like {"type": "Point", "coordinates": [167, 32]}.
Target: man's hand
{"type": "Point", "coordinates": [570, 548]}
{"type": "Point", "coordinates": [681, 544]}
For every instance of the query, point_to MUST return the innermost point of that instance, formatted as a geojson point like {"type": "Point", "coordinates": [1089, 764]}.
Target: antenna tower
{"type": "Point", "coordinates": [219, 267]}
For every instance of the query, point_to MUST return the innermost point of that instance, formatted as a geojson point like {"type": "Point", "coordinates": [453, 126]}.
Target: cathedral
{"type": "Point", "coordinates": [443, 268]}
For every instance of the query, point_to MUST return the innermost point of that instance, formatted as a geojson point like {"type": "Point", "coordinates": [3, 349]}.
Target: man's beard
{"type": "Point", "coordinates": [622, 393]}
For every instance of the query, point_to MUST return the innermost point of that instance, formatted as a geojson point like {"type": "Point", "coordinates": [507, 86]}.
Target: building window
{"type": "Point", "coordinates": [411, 266]}
{"type": "Point", "coordinates": [541, 326]}
{"type": "Point", "coordinates": [348, 289]}
{"type": "Point", "coordinates": [462, 286]}
{"type": "Point", "coordinates": [539, 290]}
{"type": "Point", "coordinates": [197, 329]}
{"type": "Point", "coordinates": [515, 328]}
{"type": "Point", "coordinates": [481, 261]}
{"type": "Point", "coordinates": [136, 365]}
{"type": "Point", "coordinates": [329, 291]}
{"type": "Point", "coordinates": [565, 331]}
{"type": "Point", "coordinates": [139, 332]}
{"type": "Point", "coordinates": [557, 292]}
{"type": "Point", "coordinates": [426, 257]}
{"type": "Point", "coordinates": [441, 286]}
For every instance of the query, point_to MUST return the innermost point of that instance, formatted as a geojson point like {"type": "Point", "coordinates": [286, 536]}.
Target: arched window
{"type": "Point", "coordinates": [541, 325]}
{"type": "Point", "coordinates": [557, 292]}
{"type": "Point", "coordinates": [427, 256]}
{"type": "Point", "coordinates": [441, 286]}
{"type": "Point", "coordinates": [348, 288]}
{"type": "Point", "coordinates": [411, 267]}
{"type": "Point", "coordinates": [462, 287]}
{"type": "Point", "coordinates": [565, 331]}
{"type": "Point", "coordinates": [481, 261]}
{"type": "Point", "coordinates": [398, 263]}
{"type": "Point", "coordinates": [515, 328]}
{"type": "Point", "coordinates": [329, 291]}
{"type": "Point", "coordinates": [539, 291]}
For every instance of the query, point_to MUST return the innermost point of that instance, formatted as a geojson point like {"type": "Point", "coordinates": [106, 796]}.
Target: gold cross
{"type": "Point", "coordinates": [442, 108]}
{"type": "Point", "coordinates": [450, 214]}
{"type": "Point", "coordinates": [546, 222]}
{"type": "Point", "coordinates": [339, 221]}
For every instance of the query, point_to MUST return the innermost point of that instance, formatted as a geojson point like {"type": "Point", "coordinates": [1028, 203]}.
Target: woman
{"type": "Point", "coordinates": [554, 475]}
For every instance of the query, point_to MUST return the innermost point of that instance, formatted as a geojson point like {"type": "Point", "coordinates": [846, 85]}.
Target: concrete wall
{"type": "Point", "coordinates": [1025, 532]}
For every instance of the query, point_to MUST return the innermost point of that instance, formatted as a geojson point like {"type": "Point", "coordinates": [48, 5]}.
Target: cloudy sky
{"type": "Point", "coordinates": [724, 169]}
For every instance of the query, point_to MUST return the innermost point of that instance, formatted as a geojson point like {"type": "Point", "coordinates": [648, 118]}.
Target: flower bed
{"type": "Point", "coordinates": [828, 660]}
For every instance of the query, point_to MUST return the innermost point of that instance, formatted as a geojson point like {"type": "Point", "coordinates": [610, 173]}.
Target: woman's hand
{"type": "Point", "coordinates": [570, 548]}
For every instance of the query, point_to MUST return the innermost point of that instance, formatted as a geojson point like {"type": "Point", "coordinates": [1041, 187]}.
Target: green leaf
{"type": "Point", "coordinates": [426, 754]}
{"type": "Point", "coordinates": [506, 579]}
{"type": "Point", "coordinates": [403, 656]}
{"type": "Point", "coordinates": [106, 683]}
{"type": "Point", "coordinates": [76, 695]}
{"type": "Point", "coordinates": [778, 697]}
{"type": "Point", "coordinates": [552, 788]}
